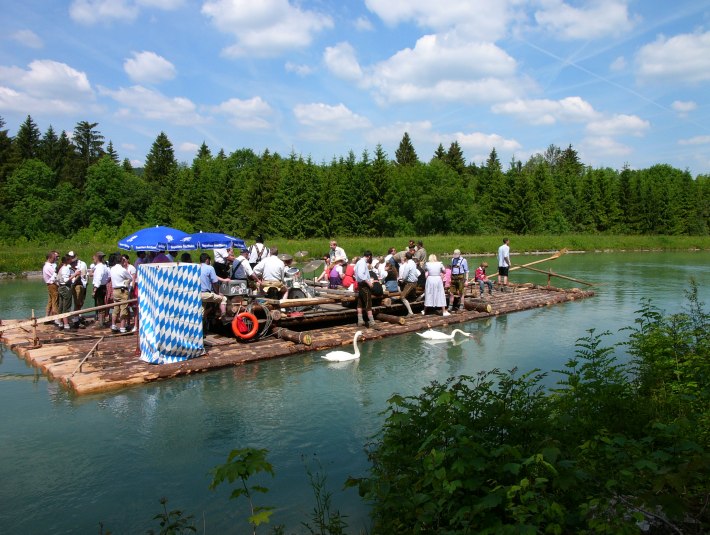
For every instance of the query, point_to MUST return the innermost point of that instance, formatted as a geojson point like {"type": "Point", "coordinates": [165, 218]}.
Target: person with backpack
{"type": "Point", "coordinates": [258, 251]}
{"type": "Point", "coordinates": [459, 279]}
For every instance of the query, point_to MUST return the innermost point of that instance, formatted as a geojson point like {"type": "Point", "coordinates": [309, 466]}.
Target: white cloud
{"type": "Point", "coordinates": [476, 19]}
{"type": "Point", "coordinates": [442, 67]}
{"type": "Point", "coordinates": [420, 132]}
{"type": "Point", "coordinates": [603, 147]}
{"type": "Point", "coordinates": [596, 19]}
{"type": "Point", "coordinates": [299, 69]}
{"type": "Point", "coordinates": [265, 28]}
{"type": "Point", "coordinates": [545, 111]}
{"type": "Point", "coordinates": [46, 86]}
{"type": "Point", "coordinates": [341, 61]}
{"type": "Point", "coordinates": [188, 146]}
{"type": "Point", "coordinates": [146, 103]}
{"type": "Point", "coordinates": [95, 11]}
{"type": "Point", "coordinates": [479, 140]}
{"type": "Point", "coordinates": [683, 58]}
{"type": "Point", "coordinates": [148, 67]}
{"type": "Point", "coordinates": [363, 24]}
{"type": "Point", "coordinates": [684, 106]}
{"type": "Point", "coordinates": [697, 140]}
{"type": "Point", "coordinates": [128, 146]}
{"type": "Point", "coordinates": [619, 64]}
{"type": "Point", "coordinates": [327, 122]}
{"type": "Point", "coordinates": [245, 114]}
{"type": "Point", "coordinates": [619, 125]}
{"type": "Point", "coordinates": [27, 38]}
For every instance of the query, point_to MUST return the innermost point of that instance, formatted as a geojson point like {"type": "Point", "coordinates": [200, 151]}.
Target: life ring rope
{"type": "Point", "coordinates": [241, 321]}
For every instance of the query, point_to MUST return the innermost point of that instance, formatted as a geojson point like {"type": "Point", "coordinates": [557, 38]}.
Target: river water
{"type": "Point", "coordinates": [68, 463]}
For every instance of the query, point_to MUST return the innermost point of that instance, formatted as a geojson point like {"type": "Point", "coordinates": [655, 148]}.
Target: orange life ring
{"type": "Point", "coordinates": [240, 327]}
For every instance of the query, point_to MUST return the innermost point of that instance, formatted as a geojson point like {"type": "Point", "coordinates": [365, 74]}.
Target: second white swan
{"type": "Point", "coordinates": [431, 334]}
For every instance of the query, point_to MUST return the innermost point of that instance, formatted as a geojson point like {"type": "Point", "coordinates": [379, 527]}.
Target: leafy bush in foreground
{"type": "Point", "coordinates": [614, 448]}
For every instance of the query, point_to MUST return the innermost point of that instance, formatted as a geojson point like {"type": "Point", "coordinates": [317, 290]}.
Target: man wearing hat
{"type": "Point", "coordinates": [79, 285]}
{"type": "Point", "coordinates": [459, 279]}
{"type": "Point", "coordinates": [241, 269]}
{"type": "Point", "coordinates": [99, 281]}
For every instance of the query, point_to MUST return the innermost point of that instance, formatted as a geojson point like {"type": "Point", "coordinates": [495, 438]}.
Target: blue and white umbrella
{"type": "Point", "coordinates": [216, 240]}
{"type": "Point", "coordinates": [158, 239]}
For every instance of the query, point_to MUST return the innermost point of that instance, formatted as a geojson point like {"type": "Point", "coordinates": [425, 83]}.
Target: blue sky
{"type": "Point", "coordinates": [623, 82]}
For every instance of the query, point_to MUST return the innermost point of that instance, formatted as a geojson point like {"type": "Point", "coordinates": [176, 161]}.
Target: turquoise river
{"type": "Point", "coordinates": [69, 464]}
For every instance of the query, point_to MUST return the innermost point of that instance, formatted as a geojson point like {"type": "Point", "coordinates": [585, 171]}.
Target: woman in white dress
{"type": "Point", "coordinates": [434, 295]}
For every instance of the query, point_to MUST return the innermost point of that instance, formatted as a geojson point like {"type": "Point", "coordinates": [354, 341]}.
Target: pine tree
{"type": "Point", "coordinates": [440, 153]}
{"type": "Point", "coordinates": [127, 166]}
{"type": "Point", "coordinates": [405, 154]}
{"type": "Point", "coordinates": [89, 142]}
{"type": "Point", "coordinates": [160, 162]}
{"type": "Point", "coordinates": [26, 144]}
{"type": "Point", "coordinates": [204, 151]}
{"type": "Point", "coordinates": [111, 152]}
{"type": "Point", "coordinates": [454, 158]}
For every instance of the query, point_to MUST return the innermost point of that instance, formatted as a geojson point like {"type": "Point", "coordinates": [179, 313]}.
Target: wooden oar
{"type": "Point", "coordinates": [31, 322]}
{"type": "Point", "coordinates": [552, 273]}
{"type": "Point", "coordinates": [553, 257]}
{"type": "Point", "coordinates": [86, 357]}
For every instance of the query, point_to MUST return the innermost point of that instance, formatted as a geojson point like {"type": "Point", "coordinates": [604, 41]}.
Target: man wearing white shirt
{"type": "Point", "coordinates": [409, 276]}
{"type": "Point", "coordinates": [336, 251]}
{"type": "Point", "coordinates": [120, 281]}
{"type": "Point", "coordinates": [270, 272]}
{"type": "Point", "coordinates": [99, 281]}
{"type": "Point", "coordinates": [504, 263]}
{"type": "Point", "coordinates": [49, 275]}
{"type": "Point", "coordinates": [221, 266]}
{"type": "Point", "coordinates": [79, 287]}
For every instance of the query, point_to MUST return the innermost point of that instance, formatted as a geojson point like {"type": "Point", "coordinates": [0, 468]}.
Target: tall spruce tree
{"type": "Point", "coordinates": [26, 144]}
{"type": "Point", "coordinates": [111, 152]}
{"type": "Point", "coordinates": [440, 153]}
{"type": "Point", "coordinates": [405, 153]}
{"type": "Point", "coordinates": [454, 158]}
{"type": "Point", "coordinates": [160, 163]}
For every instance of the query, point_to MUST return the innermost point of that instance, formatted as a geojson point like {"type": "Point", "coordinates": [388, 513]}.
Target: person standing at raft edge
{"type": "Point", "coordinates": [504, 263]}
{"type": "Point", "coordinates": [49, 275]}
{"type": "Point", "coordinates": [459, 279]}
{"type": "Point", "coordinates": [364, 290]}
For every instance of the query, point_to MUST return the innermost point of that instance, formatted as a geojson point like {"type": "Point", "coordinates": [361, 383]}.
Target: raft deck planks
{"type": "Point", "coordinates": [115, 365]}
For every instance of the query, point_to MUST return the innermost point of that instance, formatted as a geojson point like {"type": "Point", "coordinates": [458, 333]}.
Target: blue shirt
{"type": "Point", "coordinates": [459, 266]}
{"type": "Point", "coordinates": [208, 277]}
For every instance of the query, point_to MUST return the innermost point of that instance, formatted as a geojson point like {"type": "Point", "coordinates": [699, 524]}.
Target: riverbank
{"type": "Point", "coordinates": [25, 259]}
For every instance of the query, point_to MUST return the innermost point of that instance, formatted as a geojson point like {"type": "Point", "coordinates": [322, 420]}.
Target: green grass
{"type": "Point", "coordinates": [29, 256]}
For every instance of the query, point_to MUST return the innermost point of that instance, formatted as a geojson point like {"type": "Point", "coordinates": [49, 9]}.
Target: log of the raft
{"type": "Point", "coordinates": [477, 306]}
{"type": "Point", "coordinates": [389, 318]}
{"type": "Point", "coordinates": [293, 336]}
{"type": "Point", "coordinates": [275, 314]}
{"type": "Point", "coordinates": [304, 302]}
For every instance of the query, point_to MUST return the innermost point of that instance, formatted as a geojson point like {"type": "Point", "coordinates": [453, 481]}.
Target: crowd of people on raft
{"type": "Point", "coordinates": [408, 272]}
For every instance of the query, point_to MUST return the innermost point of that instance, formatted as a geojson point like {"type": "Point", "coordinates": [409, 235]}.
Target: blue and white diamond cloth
{"type": "Point", "coordinates": [170, 307]}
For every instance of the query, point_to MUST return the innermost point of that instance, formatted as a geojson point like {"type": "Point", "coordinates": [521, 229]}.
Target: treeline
{"type": "Point", "coordinates": [56, 185]}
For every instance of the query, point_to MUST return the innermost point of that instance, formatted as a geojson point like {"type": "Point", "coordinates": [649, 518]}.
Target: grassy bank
{"type": "Point", "coordinates": [30, 256]}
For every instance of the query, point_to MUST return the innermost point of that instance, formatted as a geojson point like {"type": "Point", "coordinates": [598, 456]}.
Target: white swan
{"type": "Point", "coordinates": [437, 335]}
{"type": "Point", "coordinates": [341, 356]}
